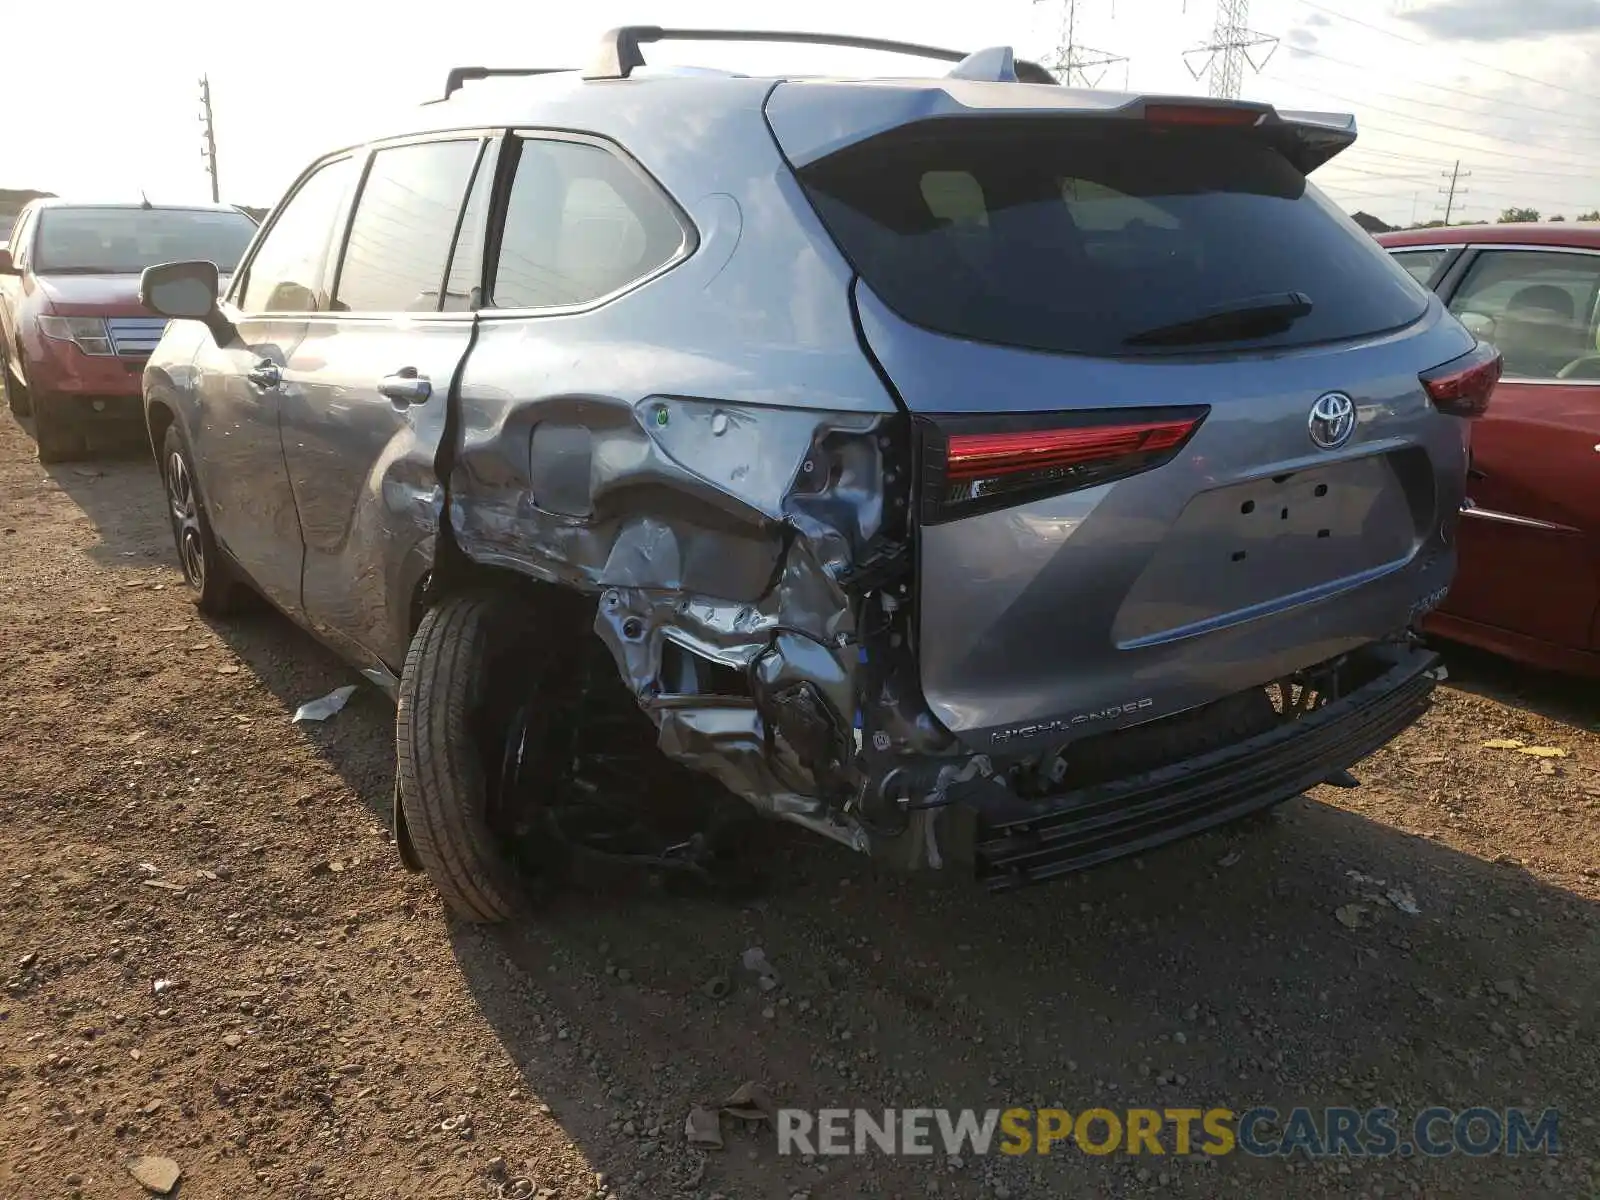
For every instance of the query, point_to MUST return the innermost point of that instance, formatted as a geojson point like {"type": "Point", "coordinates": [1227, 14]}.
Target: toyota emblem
{"type": "Point", "coordinates": [1332, 421]}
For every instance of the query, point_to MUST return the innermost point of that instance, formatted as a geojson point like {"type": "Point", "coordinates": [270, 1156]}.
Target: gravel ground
{"type": "Point", "coordinates": [210, 954]}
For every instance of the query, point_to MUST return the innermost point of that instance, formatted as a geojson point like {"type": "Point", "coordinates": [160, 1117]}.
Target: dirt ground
{"type": "Point", "coordinates": [320, 1029]}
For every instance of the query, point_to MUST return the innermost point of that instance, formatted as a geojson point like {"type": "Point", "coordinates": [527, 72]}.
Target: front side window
{"type": "Point", "coordinates": [1538, 307]}
{"type": "Point", "coordinates": [285, 274]}
{"type": "Point", "coordinates": [1420, 264]}
{"type": "Point", "coordinates": [580, 225]}
{"type": "Point", "coordinates": [404, 224]}
{"type": "Point", "coordinates": [124, 241]}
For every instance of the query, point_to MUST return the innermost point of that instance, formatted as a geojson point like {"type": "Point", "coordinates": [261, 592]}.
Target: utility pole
{"type": "Point", "coordinates": [1228, 52]}
{"type": "Point", "coordinates": [209, 151]}
{"type": "Point", "coordinates": [1075, 64]}
{"type": "Point", "coordinates": [1450, 193]}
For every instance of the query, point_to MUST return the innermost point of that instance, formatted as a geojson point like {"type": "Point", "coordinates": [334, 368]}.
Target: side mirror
{"type": "Point", "coordinates": [186, 291]}
{"type": "Point", "coordinates": [7, 266]}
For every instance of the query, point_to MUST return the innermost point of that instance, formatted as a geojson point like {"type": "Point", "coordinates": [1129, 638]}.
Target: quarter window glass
{"type": "Point", "coordinates": [404, 223]}
{"type": "Point", "coordinates": [285, 275]}
{"type": "Point", "coordinates": [1420, 264]}
{"type": "Point", "coordinates": [1538, 308]}
{"type": "Point", "coordinates": [580, 224]}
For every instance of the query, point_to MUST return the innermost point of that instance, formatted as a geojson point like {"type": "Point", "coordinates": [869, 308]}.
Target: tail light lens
{"type": "Point", "coordinates": [976, 464]}
{"type": "Point", "coordinates": [1463, 386]}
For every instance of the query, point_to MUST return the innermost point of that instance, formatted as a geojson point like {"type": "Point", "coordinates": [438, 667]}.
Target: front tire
{"type": "Point", "coordinates": [17, 393]}
{"type": "Point", "coordinates": [57, 439]}
{"type": "Point", "coordinates": [445, 733]}
{"type": "Point", "coordinates": [210, 581]}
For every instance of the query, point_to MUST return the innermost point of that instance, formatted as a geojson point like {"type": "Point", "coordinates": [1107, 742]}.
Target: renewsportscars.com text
{"type": "Point", "coordinates": [1260, 1132]}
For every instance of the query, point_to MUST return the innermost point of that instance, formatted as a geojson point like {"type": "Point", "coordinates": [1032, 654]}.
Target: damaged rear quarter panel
{"type": "Point", "coordinates": [703, 454]}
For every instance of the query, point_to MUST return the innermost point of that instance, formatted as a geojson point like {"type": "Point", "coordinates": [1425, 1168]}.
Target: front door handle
{"type": "Point", "coordinates": [405, 386]}
{"type": "Point", "coordinates": [265, 374]}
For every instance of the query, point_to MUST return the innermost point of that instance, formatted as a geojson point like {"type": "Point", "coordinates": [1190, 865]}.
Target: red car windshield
{"type": "Point", "coordinates": [124, 241]}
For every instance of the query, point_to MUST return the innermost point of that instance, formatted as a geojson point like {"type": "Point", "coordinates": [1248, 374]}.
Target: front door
{"type": "Point", "coordinates": [236, 442]}
{"type": "Point", "coordinates": [366, 391]}
{"type": "Point", "coordinates": [1530, 542]}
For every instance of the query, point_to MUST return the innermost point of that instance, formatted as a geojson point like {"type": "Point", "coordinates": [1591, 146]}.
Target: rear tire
{"type": "Point", "coordinates": [56, 437]}
{"type": "Point", "coordinates": [211, 582]}
{"type": "Point", "coordinates": [441, 747]}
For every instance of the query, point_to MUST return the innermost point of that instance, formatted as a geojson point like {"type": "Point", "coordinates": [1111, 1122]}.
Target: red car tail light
{"type": "Point", "coordinates": [1463, 386]}
{"type": "Point", "coordinates": [974, 464]}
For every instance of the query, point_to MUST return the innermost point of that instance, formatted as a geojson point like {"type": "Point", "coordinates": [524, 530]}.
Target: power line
{"type": "Point", "coordinates": [1469, 61]}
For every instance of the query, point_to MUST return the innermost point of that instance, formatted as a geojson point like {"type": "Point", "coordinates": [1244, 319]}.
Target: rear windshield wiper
{"type": "Point", "coordinates": [1238, 320]}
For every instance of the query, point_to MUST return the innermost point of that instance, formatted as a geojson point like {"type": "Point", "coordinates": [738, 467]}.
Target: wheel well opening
{"type": "Point", "coordinates": [158, 421]}
{"type": "Point", "coordinates": [563, 611]}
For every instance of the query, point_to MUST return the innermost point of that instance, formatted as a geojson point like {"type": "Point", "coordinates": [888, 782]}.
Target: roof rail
{"type": "Point", "coordinates": [461, 75]}
{"type": "Point", "coordinates": [619, 53]}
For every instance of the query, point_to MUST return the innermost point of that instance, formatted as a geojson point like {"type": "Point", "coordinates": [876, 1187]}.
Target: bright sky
{"type": "Point", "coordinates": [1510, 87]}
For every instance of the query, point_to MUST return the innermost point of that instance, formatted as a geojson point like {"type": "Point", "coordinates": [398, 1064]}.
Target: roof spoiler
{"type": "Point", "coordinates": [619, 54]}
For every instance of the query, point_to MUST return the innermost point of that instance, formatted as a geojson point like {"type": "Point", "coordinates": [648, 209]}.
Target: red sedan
{"type": "Point", "coordinates": [1528, 584]}
{"type": "Point", "coordinates": [73, 335]}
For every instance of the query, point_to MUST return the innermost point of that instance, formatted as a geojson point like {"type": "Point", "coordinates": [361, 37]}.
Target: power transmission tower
{"type": "Point", "coordinates": [1228, 52]}
{"type": "Point", "coordinates": [1450, 193]}
{"type": "Point", "coordinates": [1075, 64]}
{"type": "Point", "coordinates": [209, 150]}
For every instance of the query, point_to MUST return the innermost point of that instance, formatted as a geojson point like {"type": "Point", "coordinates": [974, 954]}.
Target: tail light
{"type": "Point", "coordinates": [976, 464]}
{"type": "Point", "coordinates": [1462, 387]}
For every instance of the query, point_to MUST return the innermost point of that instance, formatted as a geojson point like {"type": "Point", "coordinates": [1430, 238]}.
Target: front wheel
{"type": "Point", "coordinates": [210, 582]}
{"type": "Point", "coordinates": [17, 394]}
{"type": "Point", "coordinates": [57, 438]}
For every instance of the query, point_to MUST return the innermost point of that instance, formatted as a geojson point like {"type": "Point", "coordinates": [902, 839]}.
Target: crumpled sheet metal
{"type": "Point", "coordinates": [720, 528]}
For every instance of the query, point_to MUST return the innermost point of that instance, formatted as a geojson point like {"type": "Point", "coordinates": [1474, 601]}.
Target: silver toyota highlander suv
{"type": "Point", "coordinates": [988, 475]}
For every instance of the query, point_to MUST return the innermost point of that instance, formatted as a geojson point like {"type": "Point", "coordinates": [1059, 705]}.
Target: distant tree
{"type": "Point", "coordinates": [1590, 216]}
{"type": "Point", "coordinates": [1558, 217]}
{"type": "Point", "coordinates": [1510, 215]}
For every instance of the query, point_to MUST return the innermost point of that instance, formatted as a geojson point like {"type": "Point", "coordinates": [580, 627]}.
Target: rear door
{"type": "Point", "coordinates": [1173, 441]}
{"type": "Point", "coordinates": [1530, 542]}
{"type": "Point", "coordinates": [366, 388]}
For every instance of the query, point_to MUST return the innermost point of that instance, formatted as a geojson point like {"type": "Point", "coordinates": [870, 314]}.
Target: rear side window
{"type": "Point", "coordinates": [1083, 237]}
{"type": "Point", "coordinates": [580, 225]}
{"type": "Point", "coordinates": [404, 224]}
{"type": "Point", "coordinates": [1420, 264]}
{"type": "Point", "coordinates": [1539, 308]}
{"type": "Point", "coordinates": [285, 273]}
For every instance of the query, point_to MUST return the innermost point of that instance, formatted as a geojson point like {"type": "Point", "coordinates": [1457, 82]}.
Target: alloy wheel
{"type": "Point", "coordinates": [184, 510]}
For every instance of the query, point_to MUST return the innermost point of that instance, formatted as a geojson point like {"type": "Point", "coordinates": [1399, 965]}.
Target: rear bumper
{"type": "Point", "coordinates": [1081, 829]}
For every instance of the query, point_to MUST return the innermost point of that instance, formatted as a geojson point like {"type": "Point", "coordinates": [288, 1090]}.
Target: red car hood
{"type": "Point", "coordinates": [96, 295]}
{"type": "Point", "coordinates": [93, 295]}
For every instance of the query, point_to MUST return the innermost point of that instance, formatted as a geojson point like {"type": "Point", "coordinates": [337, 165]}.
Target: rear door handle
{"type": "Point", "coordinates": [405, 386]}
{"type": "Point", "coordinates": [265, 374]}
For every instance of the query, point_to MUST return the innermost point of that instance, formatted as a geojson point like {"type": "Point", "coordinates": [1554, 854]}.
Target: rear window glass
{"type": "Point", "coordinates": [1081, 239]}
